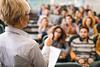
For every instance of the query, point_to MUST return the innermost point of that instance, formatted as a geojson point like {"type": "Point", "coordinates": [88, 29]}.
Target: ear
{"type": "Point", "coordinates": [21, 21]}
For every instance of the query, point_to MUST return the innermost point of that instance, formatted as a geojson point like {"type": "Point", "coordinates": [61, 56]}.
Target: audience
{"type": "Point", "coordinates": [74, 30]}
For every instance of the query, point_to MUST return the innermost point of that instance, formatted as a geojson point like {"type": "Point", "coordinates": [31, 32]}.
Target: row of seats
{"type": "Point", "coordinates": [32, 29]}
{"type": "Point", "coordinates": [73, 64]}
{"type": "Point", "coordinates": [68, 64]}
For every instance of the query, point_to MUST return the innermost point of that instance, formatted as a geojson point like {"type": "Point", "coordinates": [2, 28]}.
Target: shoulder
{"type": "Point", "coordinates": [76, 40]}
{"type": "Point", "coordinates": [72, 38]}
{"type": "Point", "coordinates": [30, 44]}
{"type": "Point", "coordinates": [90, 41]}
{"type": "Point", "coordinates": [2, 39]}
{"type": "Point", "coordinates": [2, 36]}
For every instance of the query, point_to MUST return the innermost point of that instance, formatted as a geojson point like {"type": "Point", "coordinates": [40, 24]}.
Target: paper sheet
{"type": "Point", "coordinates": [53, 57]}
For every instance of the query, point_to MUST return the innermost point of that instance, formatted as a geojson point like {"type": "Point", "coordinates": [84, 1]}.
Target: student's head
{"type": "Point", "coordinates": [84, 32]}
{"type": "Point", "coordinates": [88, 22]}
{"type": "Point", "coordinates": [44, 21]}
{"type": "Point", "coordinates": [78, 14]}
{"type": "Point", "coordinates": [81, 9]}
{"type": "Point", "coordinates": [45, 11]}
{"type": "Point", "coordinates": [58, 33]}
{"type": "Point", "coordinates": [64, 12]}
{"type": "Point", "coordinates": [69, 19]}
{"type": "Point", "coordinates": [90, 13]}
{"type": "Point", "coordinates": [15, 12]}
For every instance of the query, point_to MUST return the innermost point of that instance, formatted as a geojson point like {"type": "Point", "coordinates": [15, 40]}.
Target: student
{"type": "Point", "coordinates": [83, 48]}
{"type": "Point", "coordinates": [56, 38]}
{"type": "Point", "coordinates": [88, 22]}
{"type": "Point", "coordinates": [42, 30]}
{"type": "Point", "coordinates": [17, 49]}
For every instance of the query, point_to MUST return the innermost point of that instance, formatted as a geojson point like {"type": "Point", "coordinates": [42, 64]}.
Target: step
{"type": "Point", "coordinates": [32, 26]}
{"type": "Point", "coordinates": [31, 31]}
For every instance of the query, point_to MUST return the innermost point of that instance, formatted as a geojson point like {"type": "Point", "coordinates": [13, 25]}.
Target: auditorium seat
{"type": "Point", "coordinates": [68, 64]}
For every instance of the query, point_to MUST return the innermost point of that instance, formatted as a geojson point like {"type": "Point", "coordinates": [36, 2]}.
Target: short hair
{"type": "Point", "coordinates": [84, 27]}
{"type": "Point", "coordinates": [63, 9]}
{"type": "Point", "coordinates": [12, 10]}
{"type": "Point", "coordinates": [69, 16]}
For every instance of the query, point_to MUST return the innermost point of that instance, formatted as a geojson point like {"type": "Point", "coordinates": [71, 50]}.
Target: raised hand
{"type": "Point", "coordinates": [49, 40]}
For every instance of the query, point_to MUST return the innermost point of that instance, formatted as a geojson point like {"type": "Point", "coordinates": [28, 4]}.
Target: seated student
{"type": "Point", "coordinates": [56, 38]}
{"type": "Point", "coordinates": [42, 30]}
{"type": "Point", "coordinates": [83, 48]}
{"type": "Point", "coordinates": [88, 22]}
{"type": "Point", "coordinates": [17, 49]}
{"type": "Point", "coordinates": [72, 28]}
{"type": "Point", "coordinates": [78, 18]}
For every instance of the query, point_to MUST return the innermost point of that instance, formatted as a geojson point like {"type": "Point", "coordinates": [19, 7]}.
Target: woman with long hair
{"type": "Point", "coordinates": [88, 22]}
{"type": "Point", "coordinates": [57, 38]}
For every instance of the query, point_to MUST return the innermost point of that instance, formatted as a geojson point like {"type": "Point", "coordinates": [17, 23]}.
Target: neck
{"type": "Point", "coordinates": [85, 40]}
{"type": "Point", "coordinates": [18, 26]}
{"type": "Point", "coordinates": [55, 38]}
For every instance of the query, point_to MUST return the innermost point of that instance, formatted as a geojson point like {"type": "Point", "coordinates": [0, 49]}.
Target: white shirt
{"type": "Point", "coordinates": [17, 49]}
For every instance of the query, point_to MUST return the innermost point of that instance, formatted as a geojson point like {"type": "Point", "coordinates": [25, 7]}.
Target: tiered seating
{"type": "Point", "coordinates": [32, 29]}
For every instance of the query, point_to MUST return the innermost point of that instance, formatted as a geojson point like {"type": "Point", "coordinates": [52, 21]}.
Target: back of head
{"type": "Point", "coordinates": [12, 10]}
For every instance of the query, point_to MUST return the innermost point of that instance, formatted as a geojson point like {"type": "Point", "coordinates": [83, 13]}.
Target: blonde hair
{"type": "Point", "coordinates": [12, 10]}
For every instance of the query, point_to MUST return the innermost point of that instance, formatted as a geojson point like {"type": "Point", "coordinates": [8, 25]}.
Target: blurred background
{"type": "Point", "coordinates": [93, 3]}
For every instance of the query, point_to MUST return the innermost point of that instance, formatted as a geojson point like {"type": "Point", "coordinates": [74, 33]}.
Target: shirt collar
{"type": "Point", "coordinates": [83, 39]}
{"type": "Point", "coordinates": [15, 30]}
